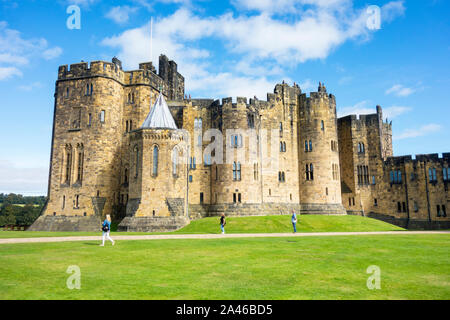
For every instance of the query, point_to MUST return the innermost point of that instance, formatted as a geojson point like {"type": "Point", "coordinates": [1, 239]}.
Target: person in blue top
{"type": "Point", "coordinates": [294, 221]}
{"type": "Point", "coordinates": [106, 228]}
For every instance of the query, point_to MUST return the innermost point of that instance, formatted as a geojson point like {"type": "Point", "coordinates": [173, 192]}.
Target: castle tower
{"type": "Point", "coordinates": [85, 150]}
{"type": "Point", "coordinates": [158, 176]}
{"type": "Point", "coordinates": [320, 187]}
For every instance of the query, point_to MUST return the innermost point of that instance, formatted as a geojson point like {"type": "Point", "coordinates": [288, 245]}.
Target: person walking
{"type": "Point", "coordinates": [106, 228]}
{"type": "Point", "coordinates": [222, 223]}
{"type": "Point", "coordinates": [294, 221]}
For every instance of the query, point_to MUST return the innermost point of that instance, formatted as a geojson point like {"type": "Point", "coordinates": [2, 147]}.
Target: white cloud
{"type": "Point", "coordinates": [8, 72]}
{"type": "Point", "coordinates": [256, 44]}
{"type": "Point", "coordinates": [15, 51]}
{"type": "Point", "coordinates": [392, 10]}
{"type": "Point", "coordinates": [121, 14]}
{"type": "Point", "coordinates": [400, 90]}
{"type": "Point", "coordinates": [419, 132]}
{"type": "Point", "coordinates": [52, 53]}
{"type": "Point", "coordinates": [31, 86]}
{"type": "Point", "coordinates": [22, 180]}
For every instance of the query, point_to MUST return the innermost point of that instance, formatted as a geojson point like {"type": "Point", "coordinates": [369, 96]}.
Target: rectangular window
{"type": "Point", "coordinates": [201, 197]}
{"type": "Point", "coordinates": [234, 197]}
{"type": "Point", "coordinates": [239, 198]}
{"type": "Point", "coordinates": [90, 119]}
{"type": "Point", "coordinates": [438, 210]}
{"type": "Point", "coordinates": [102, 116]}
{"type": "Point", "coordinates": [375, 202]}
{"type": "Point", "coordinates": [444, 211]}
{"type": "Point", "coordinates": [190, 178]}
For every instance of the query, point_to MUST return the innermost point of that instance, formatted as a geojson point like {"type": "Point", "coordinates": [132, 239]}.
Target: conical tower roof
{"type": "Point", "coordinates": [159, 116]}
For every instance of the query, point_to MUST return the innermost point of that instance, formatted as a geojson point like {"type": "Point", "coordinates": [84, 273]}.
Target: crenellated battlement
{"type": "Point", "coordinates": [433, 158]}
{"type": "Point", "coordinates": [168, 80]}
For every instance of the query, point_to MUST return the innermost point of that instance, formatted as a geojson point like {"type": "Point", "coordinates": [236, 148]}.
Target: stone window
{"type": "Point", "coordinates": [438, 210]}
{"type": "Point", "coordinates": [126, 126]}
{"type": "Point", "coordinates": [326, 191]}
{"type": "Point", "coordinates": [446, 174]}
{"type": "Point", "coordinates": [63, 202]}
{"type": "Point", "coordinates": [217, 173]}
{"type": "Point", "coordinates": [308, 146]}
{"type": "Point", "coordinates": [236, 141]}
{"type": "Point", "coordinates": [155, 161]}
{"type": "Point", "coordinates": [102, 116]}
{"type": "Point", "coordinates": [399, 207]}
{"type": "Point", "coordinates": [361, 148]}
{"type": "Point", "coordinates": [375, 202]}
{"type": "Point", "coordinates": [255, 171]}
{"type": "Point", "coordinates": [90, 119]}
{"type": "Point", "coordinates": [68, 163]}
{"type": "Point", "coordinates": [77, 202]}
{"type": "Point", "coordinates": [201, 197]}
{"type": "Point", "coordinates": [125, 175]}
{"type": "Point", "coordinates": [404, 206]}
{"type": "Point", "coordinates": [395, 177]}
{"type": "Point", "coordinates": [239, 198]}
{"type": "Point", "coordinates": [190, 178]}
{"type": "Point", "coordinates": [67, 92]}
{"type": "Point", "coordinates": [236, 171]}
{"type": "Point", "coordinates": [432, 174]}
{"type": "Point", "coordinates": [373, 180]}
{"type": "Point", "coordinates": [322, 125]}
{"type": "Point", "coordinates": [309, 172]}
{"type": "Point", "coordinates": [281, 177]}
{"type": "Point", "coordinates": [251, 121]}
{"type": "Point", "coordinates": [444, 211]}
{"type": "Point", "coordinates": [335, 169]}
{"type": "Point", "coordinates": [416, 207]}
{"type": "Point", "coordinates": [80, 163]}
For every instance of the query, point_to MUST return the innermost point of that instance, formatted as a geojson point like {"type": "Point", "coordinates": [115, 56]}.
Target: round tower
{"type": "Point", "coordinates": [158, 174]}
{"type": "Point", "coordinates": [320, 187]}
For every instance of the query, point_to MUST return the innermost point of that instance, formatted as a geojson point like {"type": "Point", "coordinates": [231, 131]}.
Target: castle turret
{"type": "Point", "coordinates": [320, 188]}
{"type": "Point", "coordinates": [158, 190]}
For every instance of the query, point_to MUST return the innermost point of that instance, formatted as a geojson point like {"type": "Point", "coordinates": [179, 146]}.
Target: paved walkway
{"type": "Point", "coordinates": [215, 236]}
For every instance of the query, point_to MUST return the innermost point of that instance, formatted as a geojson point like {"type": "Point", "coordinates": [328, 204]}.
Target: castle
{"type": "Point", "coordinates": [132, 145]}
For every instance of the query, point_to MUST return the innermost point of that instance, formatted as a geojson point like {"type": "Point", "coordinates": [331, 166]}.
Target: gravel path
{"type": "Point", "coordinates": [215, 236]}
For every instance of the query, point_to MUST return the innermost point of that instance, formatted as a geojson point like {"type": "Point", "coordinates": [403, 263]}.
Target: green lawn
{"type": "Point", "coordinates": [262, 224]}
{"type": "Point", "coordinates": [412, 267]}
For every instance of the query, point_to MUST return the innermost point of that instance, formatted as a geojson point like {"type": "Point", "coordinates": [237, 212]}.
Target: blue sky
{"type": "Point", "coordinates": [229, 48]}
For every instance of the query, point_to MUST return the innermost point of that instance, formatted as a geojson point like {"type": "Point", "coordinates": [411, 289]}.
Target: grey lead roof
{"type": "Point", "coordinates": [159, 116]}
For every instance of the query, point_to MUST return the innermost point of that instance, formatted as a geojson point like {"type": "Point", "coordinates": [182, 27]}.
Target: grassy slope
{"type": "Point", "coordinates": [412, 267]}
{"type": "Point", "coordinates": [263, 224]}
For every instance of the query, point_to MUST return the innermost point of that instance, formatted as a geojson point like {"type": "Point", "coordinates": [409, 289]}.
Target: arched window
{"type": "Point", "coordinates": [68, 163]}
{"type": "Point", "coordinates": [125, 178]}
{"type": "Point", "coordinates": [80, 164]}
{"type": "Point", "coordinates": [87, 89]}
{"type": "Point", "coordinates": [129, 98]}
{"type": "Point", "coordinates": [322, 125]}
{"type": "Point", "coordinates": [67, 92]}
{"type": "Point", "coordinates": [359, 147]}
{"type": "Point", "coordinates": [234, 171]}
{"type": "Point", "coordinates": [310, 145]}
{"type": "Point", "coordinates": [92, 89]}
{"type": "Point", "coordinates": [311, 171]}
{"type": "Point", "coordinates": [155, 161]}
{"type": "Point", "coordinates": [306, 145]}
